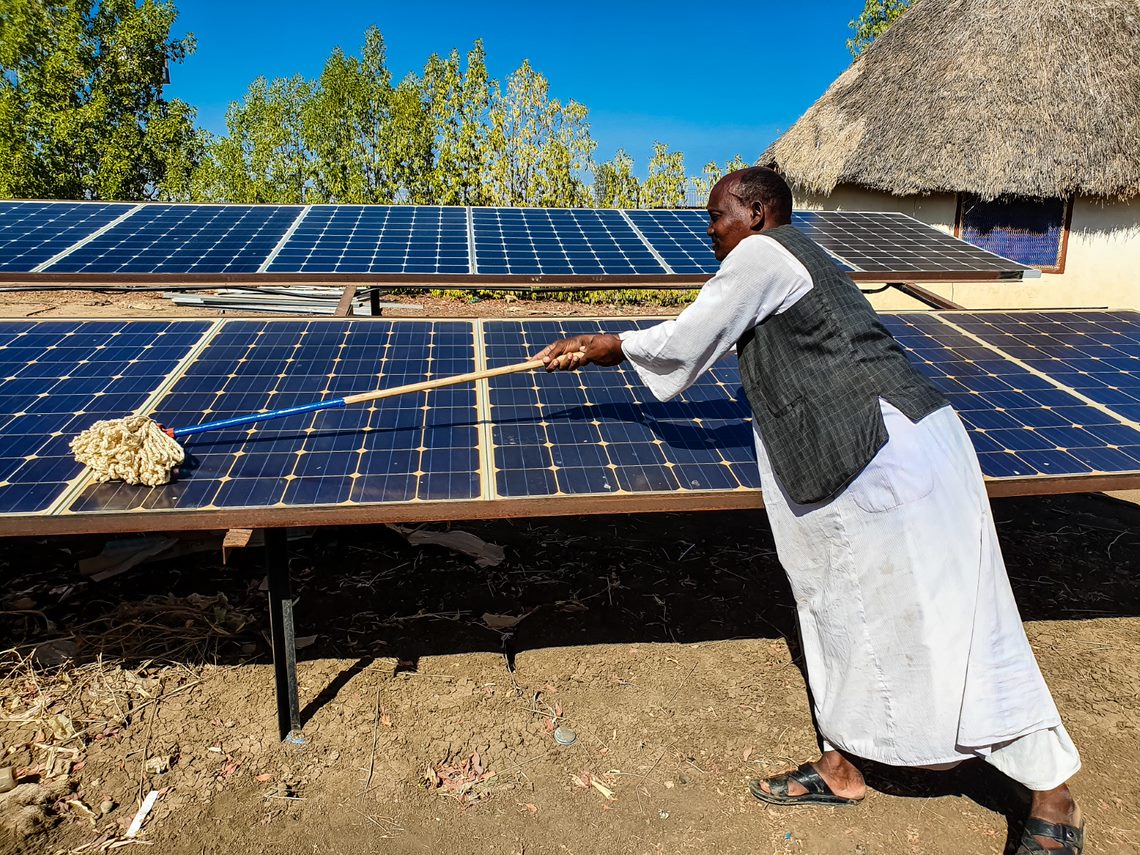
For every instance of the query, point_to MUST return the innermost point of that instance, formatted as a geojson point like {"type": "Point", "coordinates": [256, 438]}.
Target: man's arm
{"type": "Point", "coordinates": [759, 278]}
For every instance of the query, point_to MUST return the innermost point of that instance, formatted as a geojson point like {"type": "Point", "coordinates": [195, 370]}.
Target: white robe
{"type": "Point", "coordinates": [915, 651]}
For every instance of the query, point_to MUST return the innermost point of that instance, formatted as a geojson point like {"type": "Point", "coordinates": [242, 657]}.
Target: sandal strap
{"type": "Point", "coordinates": [1068, 836]}
{"type": "Point", "coordinates": [805, 776]}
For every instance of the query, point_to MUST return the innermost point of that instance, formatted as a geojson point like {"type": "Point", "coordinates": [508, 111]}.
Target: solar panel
{"type": "Point", "coordinates": [601, 432]}
{"type": "Point", "coordinates": [1020, 424]}
{"type": "Point", "coordinates": [889, 242]}
{"type": "Point", "coordinates": [58, 377]}
{"type": "Point", "coordinates": [1094, 353]}
{"type": "Point", "coordinates": [419, 447]}
{"type": "Point", "coordinates": [556, 241]}
{"type": "Point", "coordinates": [33, 232]}
{"type": "Point", "coordinates": [184, 239]}
{"type": "Point", "coordinates": [679, 237]}
{"type": "Point", "coordinates": [377, 239]}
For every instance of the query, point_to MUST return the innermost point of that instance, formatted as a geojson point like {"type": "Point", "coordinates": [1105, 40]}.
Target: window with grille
{"type": "Point", "coordinates": [1033, 232]}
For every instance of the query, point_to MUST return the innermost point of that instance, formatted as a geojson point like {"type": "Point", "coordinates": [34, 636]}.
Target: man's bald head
{"type": "Point", "coordinates": [759, 184]}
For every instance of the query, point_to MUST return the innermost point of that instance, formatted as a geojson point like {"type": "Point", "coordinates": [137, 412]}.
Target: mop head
{"type": "Point", "coordinates": [134, 450]}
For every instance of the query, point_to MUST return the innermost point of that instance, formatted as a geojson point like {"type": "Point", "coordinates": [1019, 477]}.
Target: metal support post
{"type": "Point", "coordinates": [374, 302]}
{"type": "Point", "coordinates": [283, 635]}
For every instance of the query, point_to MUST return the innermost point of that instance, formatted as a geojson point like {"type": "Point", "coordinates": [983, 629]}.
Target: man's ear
{"type": "Point", "coordinates": [757, 222]}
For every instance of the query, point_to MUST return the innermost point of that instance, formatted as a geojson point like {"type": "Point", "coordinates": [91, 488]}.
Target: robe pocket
{"type": "Point", "coordinates": [902, 471]}
{"type": "Point", "coordinates": [879, 488]}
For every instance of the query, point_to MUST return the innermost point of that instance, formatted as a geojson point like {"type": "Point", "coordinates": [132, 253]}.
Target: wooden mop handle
{"type": "Point", "coordinates": [425, 385]}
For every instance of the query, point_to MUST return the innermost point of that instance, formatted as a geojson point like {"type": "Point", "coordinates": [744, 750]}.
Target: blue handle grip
{"type": "Point", "coordinates": [260, 417]}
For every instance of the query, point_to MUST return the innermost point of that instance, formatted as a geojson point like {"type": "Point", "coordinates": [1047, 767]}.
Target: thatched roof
{"type": "Point", "coordinates": [1029, 97]}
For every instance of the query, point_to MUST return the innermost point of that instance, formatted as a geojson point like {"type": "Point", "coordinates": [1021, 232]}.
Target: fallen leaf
{"type": "Point", "coordinates": [602, 788]}
{"type": "Point", "coordinates": [264, 779]}
{"type": "Point", "coordinates": [531, 808]}
{"type": "Point", "coordinates": [386, 720]}
{"type": "Point", "coordinates": [747, 753]}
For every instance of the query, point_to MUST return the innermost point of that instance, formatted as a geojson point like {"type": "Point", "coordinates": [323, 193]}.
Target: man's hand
{"type": "Point", "coordinates": [570, 354]}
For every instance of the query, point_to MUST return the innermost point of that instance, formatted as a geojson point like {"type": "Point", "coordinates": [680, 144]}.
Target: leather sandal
{"type": "Point", "coordinates": [818, 792]}
{"type": "Point", "coordinates": [1071, 838]}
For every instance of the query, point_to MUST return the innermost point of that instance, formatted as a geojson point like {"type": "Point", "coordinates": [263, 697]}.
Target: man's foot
{"type": "Point", "coordinates": [1054, 825]}
{"type": "Point", "coordinates": [830, 780]}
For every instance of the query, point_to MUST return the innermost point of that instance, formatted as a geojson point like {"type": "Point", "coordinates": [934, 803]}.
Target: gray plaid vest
{"type": "Point", "coordinates": [814, 375]}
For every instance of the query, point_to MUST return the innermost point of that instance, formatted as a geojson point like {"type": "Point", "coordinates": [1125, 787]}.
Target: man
{"type": "Point", "coordinates": [916, 655]}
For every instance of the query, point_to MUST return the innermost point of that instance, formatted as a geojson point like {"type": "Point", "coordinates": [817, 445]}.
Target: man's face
{"type": "Point", "coordinates": [730, 220]}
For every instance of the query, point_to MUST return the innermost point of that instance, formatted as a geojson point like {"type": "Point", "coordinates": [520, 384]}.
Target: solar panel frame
{"type": "Point", "coordinates": [32, 233]}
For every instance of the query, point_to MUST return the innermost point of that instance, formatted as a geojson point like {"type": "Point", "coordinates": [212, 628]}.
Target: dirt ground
{"type": "Point", "coordinates": [431, 688]}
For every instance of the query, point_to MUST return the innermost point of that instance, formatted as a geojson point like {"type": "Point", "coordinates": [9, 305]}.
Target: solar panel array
{"type": "Point", "coordinates": [523, 436]}
{"type": "Point", "coordinates": [432, 242]}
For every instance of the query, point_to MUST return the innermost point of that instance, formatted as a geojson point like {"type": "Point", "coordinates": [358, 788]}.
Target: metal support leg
{"type": "Point", "coordinates": [283, 635]}
{"type": "Point", "coordinates": [374, 302]}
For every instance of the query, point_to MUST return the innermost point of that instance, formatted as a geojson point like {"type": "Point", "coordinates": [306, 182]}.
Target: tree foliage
{"type": "Point", "coordinates": [615, 185]}
{"type": "Point", "coordinates": [713, 172]}
{"type": "Point", "coordinates": [664, 186]}
{"type": "Point", "coordinates": [876, 17]}
{"type": "Point", "coordinates": [82, 115]}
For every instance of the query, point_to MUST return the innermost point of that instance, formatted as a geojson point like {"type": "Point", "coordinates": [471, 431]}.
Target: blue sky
{"type": "Point", "coordinates": [712, 80]}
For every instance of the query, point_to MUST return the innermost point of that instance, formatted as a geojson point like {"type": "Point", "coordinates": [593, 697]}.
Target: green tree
{"type": "Point", "coordinates": [664, 186]}
{"type": "Point", "coordinates": [876, 17]}
{"type": "Point", "coordinates": [537, 150]}
{"type": "Point", "coordinates": [457, 103]}
{"type": "Point", "coordinates": [81, 108]}
{"type": "Point", "coordinates": [263, 158]}
{"type": "Point", "coordinates": [343, 125]}
{"type": "Point", "coordinates": [615, 185]}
